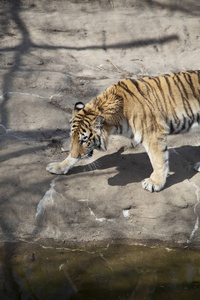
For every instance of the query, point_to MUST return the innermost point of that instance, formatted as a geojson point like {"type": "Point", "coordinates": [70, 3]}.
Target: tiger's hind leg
{"type": "Point", "coordinates": [156, 148]}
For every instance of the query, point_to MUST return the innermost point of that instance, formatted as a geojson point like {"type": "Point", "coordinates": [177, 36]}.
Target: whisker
{"type": "Point", "coordinates": [96, 165]}
{"type": "Point", "coordinates": [90, 167]}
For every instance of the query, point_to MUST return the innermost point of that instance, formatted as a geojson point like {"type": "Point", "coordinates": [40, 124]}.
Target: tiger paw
{"type": "Point", "coordinates": [55, 168]}
{"type": "Point", "coordinates": [197, 166]}
{"type": "Point", "coordinates": [150, 185]}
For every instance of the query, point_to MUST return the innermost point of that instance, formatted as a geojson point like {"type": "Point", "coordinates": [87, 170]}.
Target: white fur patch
{"type": "Point", "coordinates": [137, 138]}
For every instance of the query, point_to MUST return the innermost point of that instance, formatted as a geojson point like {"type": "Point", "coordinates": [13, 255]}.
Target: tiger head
{"type": "Point", "coordinates": [87, 132]}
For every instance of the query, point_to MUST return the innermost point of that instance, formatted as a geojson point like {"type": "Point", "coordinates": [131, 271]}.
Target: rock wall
{"type": "Point", "coordinates": [55, 53]}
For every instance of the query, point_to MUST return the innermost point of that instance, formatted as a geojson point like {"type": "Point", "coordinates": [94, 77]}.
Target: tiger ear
{"type": "Point", "coordinates": [78, 106]}
{"type": "Point", "coordinates": [99, 123]}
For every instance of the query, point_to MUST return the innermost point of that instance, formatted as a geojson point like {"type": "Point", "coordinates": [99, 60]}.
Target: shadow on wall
{"type": "Point", "coordinates": [11, 12]}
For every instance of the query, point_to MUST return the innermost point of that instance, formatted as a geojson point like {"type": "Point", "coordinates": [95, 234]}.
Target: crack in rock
{"type": "Point", "coordinates": [47, 200]}
{"type": "Point", "coordinates": [18, 135]}
{"type": "Point", "coordinates": [28, 94]}
{"type": "Point", "coordinates": [196, 226]}
{"type": "Point", "coordinates": [97, 219]}
{"type": "Point", "coordinates": [5, 129]}
{"type": "Point", "coordinates": [65, 248]}
{"type": "Point", "coordinates": [93, 214]}
{"type": "Point", "coordinates": [25, 94]}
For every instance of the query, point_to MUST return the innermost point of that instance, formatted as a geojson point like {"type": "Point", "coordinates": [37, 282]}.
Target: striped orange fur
{"type": "Point", "coordinates": [146, 110]}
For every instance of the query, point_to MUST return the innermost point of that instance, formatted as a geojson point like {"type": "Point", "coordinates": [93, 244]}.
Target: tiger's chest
{"type": "Point", "coordinates": [123, 129]}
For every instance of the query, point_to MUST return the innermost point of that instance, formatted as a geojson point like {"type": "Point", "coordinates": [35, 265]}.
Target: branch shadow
{"type": "Point", "coordinates": [185, 6]}
{"type": "Point", "coordinates": [23, 48]}
{"type": "Point", "coordinates": [122, 45]}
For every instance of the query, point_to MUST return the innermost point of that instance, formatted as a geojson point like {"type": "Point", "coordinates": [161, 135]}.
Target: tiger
{"type": "Point", "coordinates": [146, 110]}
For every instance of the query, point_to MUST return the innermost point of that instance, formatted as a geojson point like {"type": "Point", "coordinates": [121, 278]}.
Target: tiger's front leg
{"type": "Point", "coordinates": [158, 154]}
{"type": "Point", "coordinates": [62, 167]}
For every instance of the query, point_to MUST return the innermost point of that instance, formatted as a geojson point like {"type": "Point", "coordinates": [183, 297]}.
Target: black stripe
{"type": "Point", "coordinates": [188, 79]}
{"type": "Point", "coordinates": [152, 92]}
{"type": "Point", "coordinates": [165, 149]}
{"type": "Point", "coordinates": [198, 76]}
{"type": "Point", "coordinates": [170, 89]}
{"type": "Point", "coordinates": [162, 93]}
{"type": "Point", "coordinates": [181, 83]}
{"type": "Point", "coordinates": [171, 126]}
{"type": "Point", "coordinates": [187, 100]}
{"type": "Point", "coordinates": [128, 126]}
{"type": "Point", "coordinates": [182, 95]}
{"type": "Point", "coordinates": [99, 140]}
{"type": "Point", "coordinates": [148, 100]}
{"type": "Point", "coordinates": [156, 97]}
{"type": "Point", "coordinates": [82, 128]}
{"type": "Point", "coordinates": [191, 72]}
{"type": "Point", "coordinates": [79, 117]}
{"type": "Point", "coordinates": [85, 120]}
{"type": "Point", "coordinates": [125, 87]}
{"type": "Point", "coordinates": [184, 127]}
{"type": "Point", "coordinates": [136, 84]}
{"type": "Point", "coordinates": [177, 121]}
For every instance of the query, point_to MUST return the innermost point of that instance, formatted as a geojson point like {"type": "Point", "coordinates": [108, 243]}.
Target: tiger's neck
{"type": "Point", "coordinates": [110, 105]}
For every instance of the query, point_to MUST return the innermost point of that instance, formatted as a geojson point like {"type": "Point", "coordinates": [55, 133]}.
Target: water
{"type": "Point", "coordinates": [101, 273]}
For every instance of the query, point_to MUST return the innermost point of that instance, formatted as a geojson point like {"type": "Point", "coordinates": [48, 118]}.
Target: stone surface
{"type": "Point", "coordinates": [55, 53]}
